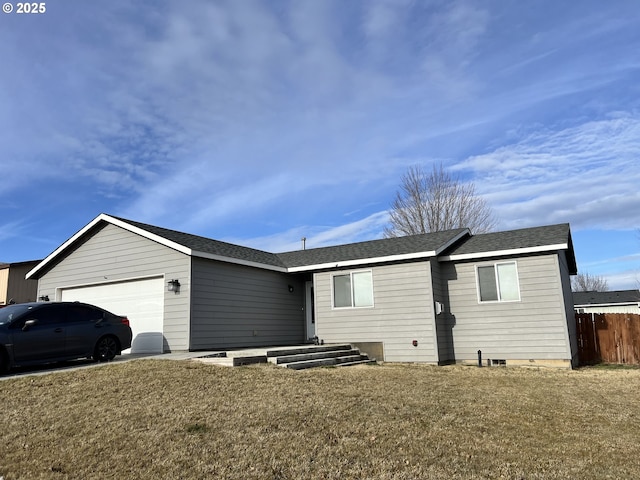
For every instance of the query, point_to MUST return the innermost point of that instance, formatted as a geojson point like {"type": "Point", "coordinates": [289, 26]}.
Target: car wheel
{"type": "Point", "coordinates": [106, 349]}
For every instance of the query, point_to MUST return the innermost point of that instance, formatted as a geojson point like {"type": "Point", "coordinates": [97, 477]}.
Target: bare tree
{"type": "Point", "coordinates": [584, 282]}
{"type": "Point", "coordinates": [435, 201]}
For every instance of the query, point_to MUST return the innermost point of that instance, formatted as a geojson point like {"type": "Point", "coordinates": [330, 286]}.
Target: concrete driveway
{"type": "Point", "coordinates": [84, 363]}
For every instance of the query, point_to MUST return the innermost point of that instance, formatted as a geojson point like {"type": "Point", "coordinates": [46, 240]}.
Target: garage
{"type": "Point", "coordinates": [141, 300]}
{"type": "Point", "coordinates": [180, 292]}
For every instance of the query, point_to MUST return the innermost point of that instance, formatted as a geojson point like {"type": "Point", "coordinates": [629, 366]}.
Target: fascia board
{"type": "Point", "coordinates": [65, 245]}
{"type": "Point", "coordinates": [237, 261]}
{"type": "Point", "coordinates": [362, 261]}
{"type": "Point", "coordinates": [188, 251]}
{"type": "Point", "coordinates": [109, 219]}
{"type": "Point", "coordinates": [149, 235]}
{"type": "Point", "coordinates": [501, 253]}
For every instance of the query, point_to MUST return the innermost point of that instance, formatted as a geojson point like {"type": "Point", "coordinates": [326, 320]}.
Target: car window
{"type": "Point", "coordinates": [7, 314]}
{"type": "Point", "coordinates": [47, 315]}
{"type": "Point", "coordinates": [82, 313]}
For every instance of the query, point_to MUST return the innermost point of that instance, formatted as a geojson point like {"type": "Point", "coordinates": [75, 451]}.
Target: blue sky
{"type": "Point", "coordinates": [260, 122]}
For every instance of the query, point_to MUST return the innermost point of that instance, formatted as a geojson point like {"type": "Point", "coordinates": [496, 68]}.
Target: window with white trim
{"type": "Point", "coordinates": [354, 289]}
{"type": "Point", "coordinates": [498, 282]}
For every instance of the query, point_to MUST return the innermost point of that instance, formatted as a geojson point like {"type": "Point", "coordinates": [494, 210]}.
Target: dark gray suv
{"type": "Point", "coordinates": [34, 333]}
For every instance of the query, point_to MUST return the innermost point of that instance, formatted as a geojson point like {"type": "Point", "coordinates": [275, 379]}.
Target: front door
{"type": "Point", "coordinates": [310, 311]}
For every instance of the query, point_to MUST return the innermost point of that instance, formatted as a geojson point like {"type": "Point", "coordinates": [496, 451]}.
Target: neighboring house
{"type": "Point", "coordinates": [621, 301]}
{"type": "Point", "coordinates": [434, 298]}
{"type": "Point", "coordinates": [13, 285]}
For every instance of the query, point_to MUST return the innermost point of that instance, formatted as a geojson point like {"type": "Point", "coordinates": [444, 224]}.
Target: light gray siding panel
{"type": "Point", "coordinates": [402, 312]}
{"type": "Point", "coordinates": [237, 306]}
{"type": "Point", "coordinates": [533, 328]}
{"type": "Point", "coordinates": [114, 254]}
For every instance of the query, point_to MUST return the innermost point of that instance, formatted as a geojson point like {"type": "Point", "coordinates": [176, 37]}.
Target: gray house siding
{"type": "Point", "coordinates": [13, 285]}
{"type": "Point", "coordinates": [4, 285]}
{"type": "Point", "coordinates": [237, 306]}
{"type": "Point", "coordinates": [572, 333]}
{"type": "Point", "coordinates": [425, 309]}
{"type": "Point", "coordinates": [529, 330]}
{"type": "Point", "coordinates": [402, 312]}
{"type": "Point", "coordinates": [113, 254]}
{"type": "Point", "coordinates": [443, 323]}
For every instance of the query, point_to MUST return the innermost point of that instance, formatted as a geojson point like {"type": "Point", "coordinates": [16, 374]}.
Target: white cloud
{"type": "Point", "coordinates": [624, 280]}
{"type": "Point", "coordinates": [190, 117]}
{"type": "Point", "coordinates": [368, 228]}
{"type": "Point", "coordinates": [586, 174]}
{"type": "Point", "coordinates": [12, 230]}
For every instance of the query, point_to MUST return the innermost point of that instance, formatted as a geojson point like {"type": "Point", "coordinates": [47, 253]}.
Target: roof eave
{"type": "Point", "coordinates": [362, 261]}
{"type": "Point", "coordinates": [103, 217]}
{"type": "Point", "coordinates": [382, 259]}
{"type": "Point", "coordinates": [238, 261]}
{"type": "Point", "coordinates": [571, 256]}
{"type": "Point", "coordinates": [452, 241]}
{"type": "Point", "coordinates": [504, 253]}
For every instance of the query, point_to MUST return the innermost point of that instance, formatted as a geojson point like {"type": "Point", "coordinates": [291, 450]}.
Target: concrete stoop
{"type": "Point", "coordinates": [297, 358]}
{"type": "Point", "coordinates": [318, 356]}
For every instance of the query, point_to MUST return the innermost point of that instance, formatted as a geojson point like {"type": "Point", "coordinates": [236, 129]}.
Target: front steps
{"type": "Point", "coordinates": [296, 358]}
{"type": "Point", "coordinates": [318, 356]}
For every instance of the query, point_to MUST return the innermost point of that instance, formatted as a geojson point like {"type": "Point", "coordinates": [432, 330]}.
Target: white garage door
{"type": "Point", "coordinates": [141, 301]}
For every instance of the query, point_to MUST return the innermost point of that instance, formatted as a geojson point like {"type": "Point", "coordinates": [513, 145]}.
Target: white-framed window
{"type": "Point", "coordinates": [353, 289]}
{"type": "Point", "coordinates": [498, 282]}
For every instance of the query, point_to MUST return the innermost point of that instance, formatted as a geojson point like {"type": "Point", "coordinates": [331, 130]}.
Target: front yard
{"type": "Point", "coordinates": [186, 420]}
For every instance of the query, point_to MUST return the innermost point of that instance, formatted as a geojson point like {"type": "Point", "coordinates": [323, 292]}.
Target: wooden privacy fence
{"type": "Point", "coordinates": [608, 337]}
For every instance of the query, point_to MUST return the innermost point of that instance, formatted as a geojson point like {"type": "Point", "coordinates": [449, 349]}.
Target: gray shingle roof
{"type": "Point", "coordinates": [429, 242]}
{"type": "Point", "coordinates": [606, 298]}
{"type": "Point", "coordinates": [208, 245]}
{"type": "Point", "coordinates": [339, 253]}
{"type": "Point", "coordinates": [525, 238]}
{"type": "Point", "coordinates": [514, 239]}
{"type": "Point", "coordinates": [446, 244]}
{"type": "Point", "coordinates": [425, 243]}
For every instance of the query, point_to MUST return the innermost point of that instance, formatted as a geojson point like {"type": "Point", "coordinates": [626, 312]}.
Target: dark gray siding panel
{"type": "Point", "coordinates": [237, 306]}
{"type": "Point", "coordinates": [568, 305]}
{"type": "Point", "coordinates": [20, 289]}
{"type": "Point", "coordinates": [443, 321]}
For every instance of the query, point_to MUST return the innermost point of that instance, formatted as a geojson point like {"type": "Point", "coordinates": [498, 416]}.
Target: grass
{"type": "Point", "coordinates": [614, 366]}
{"type": "Point", "coordinates": [187, 420]}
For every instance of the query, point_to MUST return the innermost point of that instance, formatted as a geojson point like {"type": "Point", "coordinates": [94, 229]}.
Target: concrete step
{"type": "Point", "coordinates": [221, 361]}
{"type": "Point", "coordinates": [235, 361]}
{"type": "Point", "coordinates": [295, 357]}
{"type": "Point", "coordinates": [324, 362]}
{"type": "Point", "coordinates": [368, 361]}
{"type": "Point", "coordinates": [248, 360]}
{"type": "Point", "coordinates": [299, 357]}
{"type": "Point", "coordinates": [306, 349]}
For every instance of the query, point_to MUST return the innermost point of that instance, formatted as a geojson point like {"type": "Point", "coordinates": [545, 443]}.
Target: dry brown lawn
{"type": "Point", "coordinates": [187, 420]}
